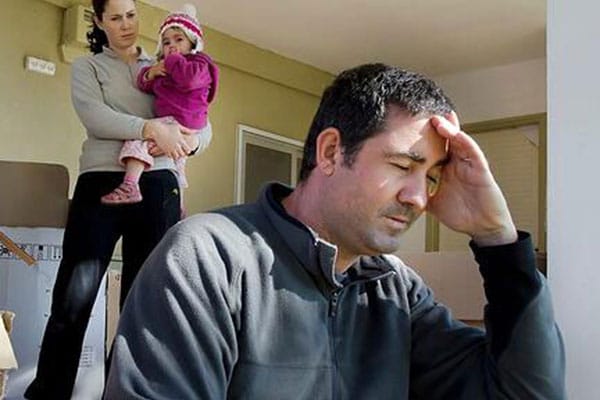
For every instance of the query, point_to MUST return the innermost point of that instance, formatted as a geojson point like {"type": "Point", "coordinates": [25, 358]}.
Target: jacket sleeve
{"type": "Point", "coordinates": [100, 120]}
{"type": "Point", "coordinates": [145, 85]}
{"type": "Point", "coordinates": [189, 74]}
{"type": "Point", "coordinates": [177, 337]}
{"type": "Point", "coordinates": [519, 356]}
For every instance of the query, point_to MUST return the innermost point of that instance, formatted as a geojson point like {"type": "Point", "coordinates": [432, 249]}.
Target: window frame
{"type": "Point", "coordinates": [270, 140]}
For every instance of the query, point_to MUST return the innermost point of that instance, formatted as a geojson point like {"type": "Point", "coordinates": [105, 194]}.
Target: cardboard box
{"type": "Point", "coordinates": [7, 356]}
{"type": "Point", "coordinates": [28, 292]}
{"type": "Point", "coordinates": [454, 278]}
{"type": "Point", "coordinates": [113, 294]}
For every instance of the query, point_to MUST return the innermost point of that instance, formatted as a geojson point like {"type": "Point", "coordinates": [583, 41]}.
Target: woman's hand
{"type": "Point", "coordinates": [192, 141]}
{"type": "Point", "coordinates": [169, 137]}
{"type": "Point", "coordinates": [469, 199]}
{"type": "Point", "coordinates": [155, 151]}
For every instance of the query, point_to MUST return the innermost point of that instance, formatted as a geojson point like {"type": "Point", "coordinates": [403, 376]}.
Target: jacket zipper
{"type": "Point", "coordinates": [333, 309]}
{"type": "Point", "coordinates": [333, 304]}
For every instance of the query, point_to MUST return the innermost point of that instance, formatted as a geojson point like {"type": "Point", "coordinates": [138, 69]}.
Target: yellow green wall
{"type": "Point", "coordinates": [257, 88]}
{"type": "Point", "coordinates": [37, 121]}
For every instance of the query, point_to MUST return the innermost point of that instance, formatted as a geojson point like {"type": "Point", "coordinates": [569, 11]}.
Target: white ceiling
{"type": "Point", "coordinates": [431, 36]}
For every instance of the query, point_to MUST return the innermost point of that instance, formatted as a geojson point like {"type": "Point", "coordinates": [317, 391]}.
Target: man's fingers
{"type": "Point", "coordinates": [444, 127]}
{"type": "Point", "coordinates": [449, 130]}
{"type": "Point", "coordinates": [458, 143]}
{"type": "Point", "coordinates": [453, 118]}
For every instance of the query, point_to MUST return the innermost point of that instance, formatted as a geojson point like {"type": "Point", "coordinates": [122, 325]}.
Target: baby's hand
{"type": "Point", "coordinates": [157, 69]}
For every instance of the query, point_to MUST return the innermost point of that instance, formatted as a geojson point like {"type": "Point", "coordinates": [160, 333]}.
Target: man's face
{"type": "Point", "coordinates": [370, 203]}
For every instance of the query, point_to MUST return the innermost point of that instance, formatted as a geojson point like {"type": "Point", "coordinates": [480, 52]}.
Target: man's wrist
{"type": "Point", "coordinates": [496, 237]}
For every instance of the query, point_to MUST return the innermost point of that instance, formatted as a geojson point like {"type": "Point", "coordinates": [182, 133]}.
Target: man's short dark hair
{"type": "Point", "coordinates": [357, 103]}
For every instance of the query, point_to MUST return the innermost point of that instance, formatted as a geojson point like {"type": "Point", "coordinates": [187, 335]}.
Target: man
{"type": "Point", "coordinates": [291, 297]}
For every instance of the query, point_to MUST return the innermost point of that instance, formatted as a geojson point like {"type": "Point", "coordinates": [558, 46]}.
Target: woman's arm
{"type": "Point", "coordinates": [100, 120]}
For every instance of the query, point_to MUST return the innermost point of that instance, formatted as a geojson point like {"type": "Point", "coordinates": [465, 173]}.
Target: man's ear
{"type": "Point", "coordinates": [329, 150]}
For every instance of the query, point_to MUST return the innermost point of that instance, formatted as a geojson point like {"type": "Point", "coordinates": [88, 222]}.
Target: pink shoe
{"type": "Point", "coordinates": [126, 193]}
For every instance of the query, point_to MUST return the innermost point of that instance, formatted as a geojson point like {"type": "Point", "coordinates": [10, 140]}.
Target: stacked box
{"type": "Point", "coordinates": [27, 291]}
{"type": "Point", "coordinates": [7, 356]}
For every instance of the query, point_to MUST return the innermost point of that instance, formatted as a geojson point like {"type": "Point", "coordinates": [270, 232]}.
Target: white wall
{"type": "Point", "coordinates": [498, 92]}
{"type": "Point", "coordinates": [573, 188]}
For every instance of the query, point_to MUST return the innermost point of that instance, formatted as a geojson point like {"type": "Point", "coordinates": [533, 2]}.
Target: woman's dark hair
{"type": "Point", "coordinates": [96, 37]}
{"type": "Point", "coordinates": [357, 104]}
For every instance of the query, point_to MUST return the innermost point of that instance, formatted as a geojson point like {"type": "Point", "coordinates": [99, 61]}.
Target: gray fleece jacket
{"type": "Point", "coordinates": [243, 303]}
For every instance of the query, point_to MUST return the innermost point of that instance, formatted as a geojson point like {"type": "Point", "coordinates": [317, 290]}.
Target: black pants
{"type": "Point", "coordinates": [90, 236]}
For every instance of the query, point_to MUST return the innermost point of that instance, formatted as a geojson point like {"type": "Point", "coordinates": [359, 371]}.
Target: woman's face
{"type": "Point", "coordinates": [120, 23]}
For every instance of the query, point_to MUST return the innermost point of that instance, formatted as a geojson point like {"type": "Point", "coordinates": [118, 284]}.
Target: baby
{"type": "Point", "coordinates": [184, 81]}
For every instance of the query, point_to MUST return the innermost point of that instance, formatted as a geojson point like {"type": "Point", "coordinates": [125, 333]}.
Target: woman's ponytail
{"type": "Point", "coordinates": [96, 38]}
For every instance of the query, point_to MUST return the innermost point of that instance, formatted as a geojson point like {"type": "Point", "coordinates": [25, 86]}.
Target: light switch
{"type": "Point", "coordinates": [38, 65]}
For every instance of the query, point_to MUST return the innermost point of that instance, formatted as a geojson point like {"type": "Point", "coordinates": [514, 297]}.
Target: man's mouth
{"type": "Point", "coordinates": [398, 221]}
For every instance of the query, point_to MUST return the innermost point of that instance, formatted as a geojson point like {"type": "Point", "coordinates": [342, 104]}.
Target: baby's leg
{"type": "Point", "coordinates": [134, 156]}
{"type": "Point", "coordinates": [133, 170]}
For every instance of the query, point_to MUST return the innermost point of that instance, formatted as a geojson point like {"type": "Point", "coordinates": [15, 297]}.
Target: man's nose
{"type": "Point", "coordinates": [414, 192]}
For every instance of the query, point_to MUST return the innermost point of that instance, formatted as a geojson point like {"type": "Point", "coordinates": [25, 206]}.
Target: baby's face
{"type": "Point", "coordinates": [175, 41]}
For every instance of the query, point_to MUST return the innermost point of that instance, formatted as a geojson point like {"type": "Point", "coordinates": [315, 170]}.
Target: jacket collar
{"type": "Point", "coordinates": [142, 55]}
{"type": "Point", "coordinates": [315, 254]}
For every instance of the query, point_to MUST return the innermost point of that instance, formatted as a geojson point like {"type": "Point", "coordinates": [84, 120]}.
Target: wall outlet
{"type": "Point", "coordinates": [38, 65]}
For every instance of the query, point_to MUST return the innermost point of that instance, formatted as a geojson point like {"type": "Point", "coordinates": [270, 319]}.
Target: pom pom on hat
{"type": "Point", "coordinates": [184, 19]}
{"type": "Point", "coordinates": [188, 9]}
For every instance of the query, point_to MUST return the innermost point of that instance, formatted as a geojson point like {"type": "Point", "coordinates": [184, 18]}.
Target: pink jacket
{"type": "Point", "coordinates": [187, 89]}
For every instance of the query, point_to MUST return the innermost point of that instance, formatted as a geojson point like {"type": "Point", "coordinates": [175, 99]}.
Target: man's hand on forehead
{"type": "Point", "coordinates": [446, 126]}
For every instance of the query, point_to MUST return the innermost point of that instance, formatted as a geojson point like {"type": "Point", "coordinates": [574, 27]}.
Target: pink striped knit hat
{"type": "Point", "coordinates": [184, 19]}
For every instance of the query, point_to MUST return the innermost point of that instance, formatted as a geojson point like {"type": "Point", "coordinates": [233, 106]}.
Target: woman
{"type": "Point", "coordinates": [112, 110]}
